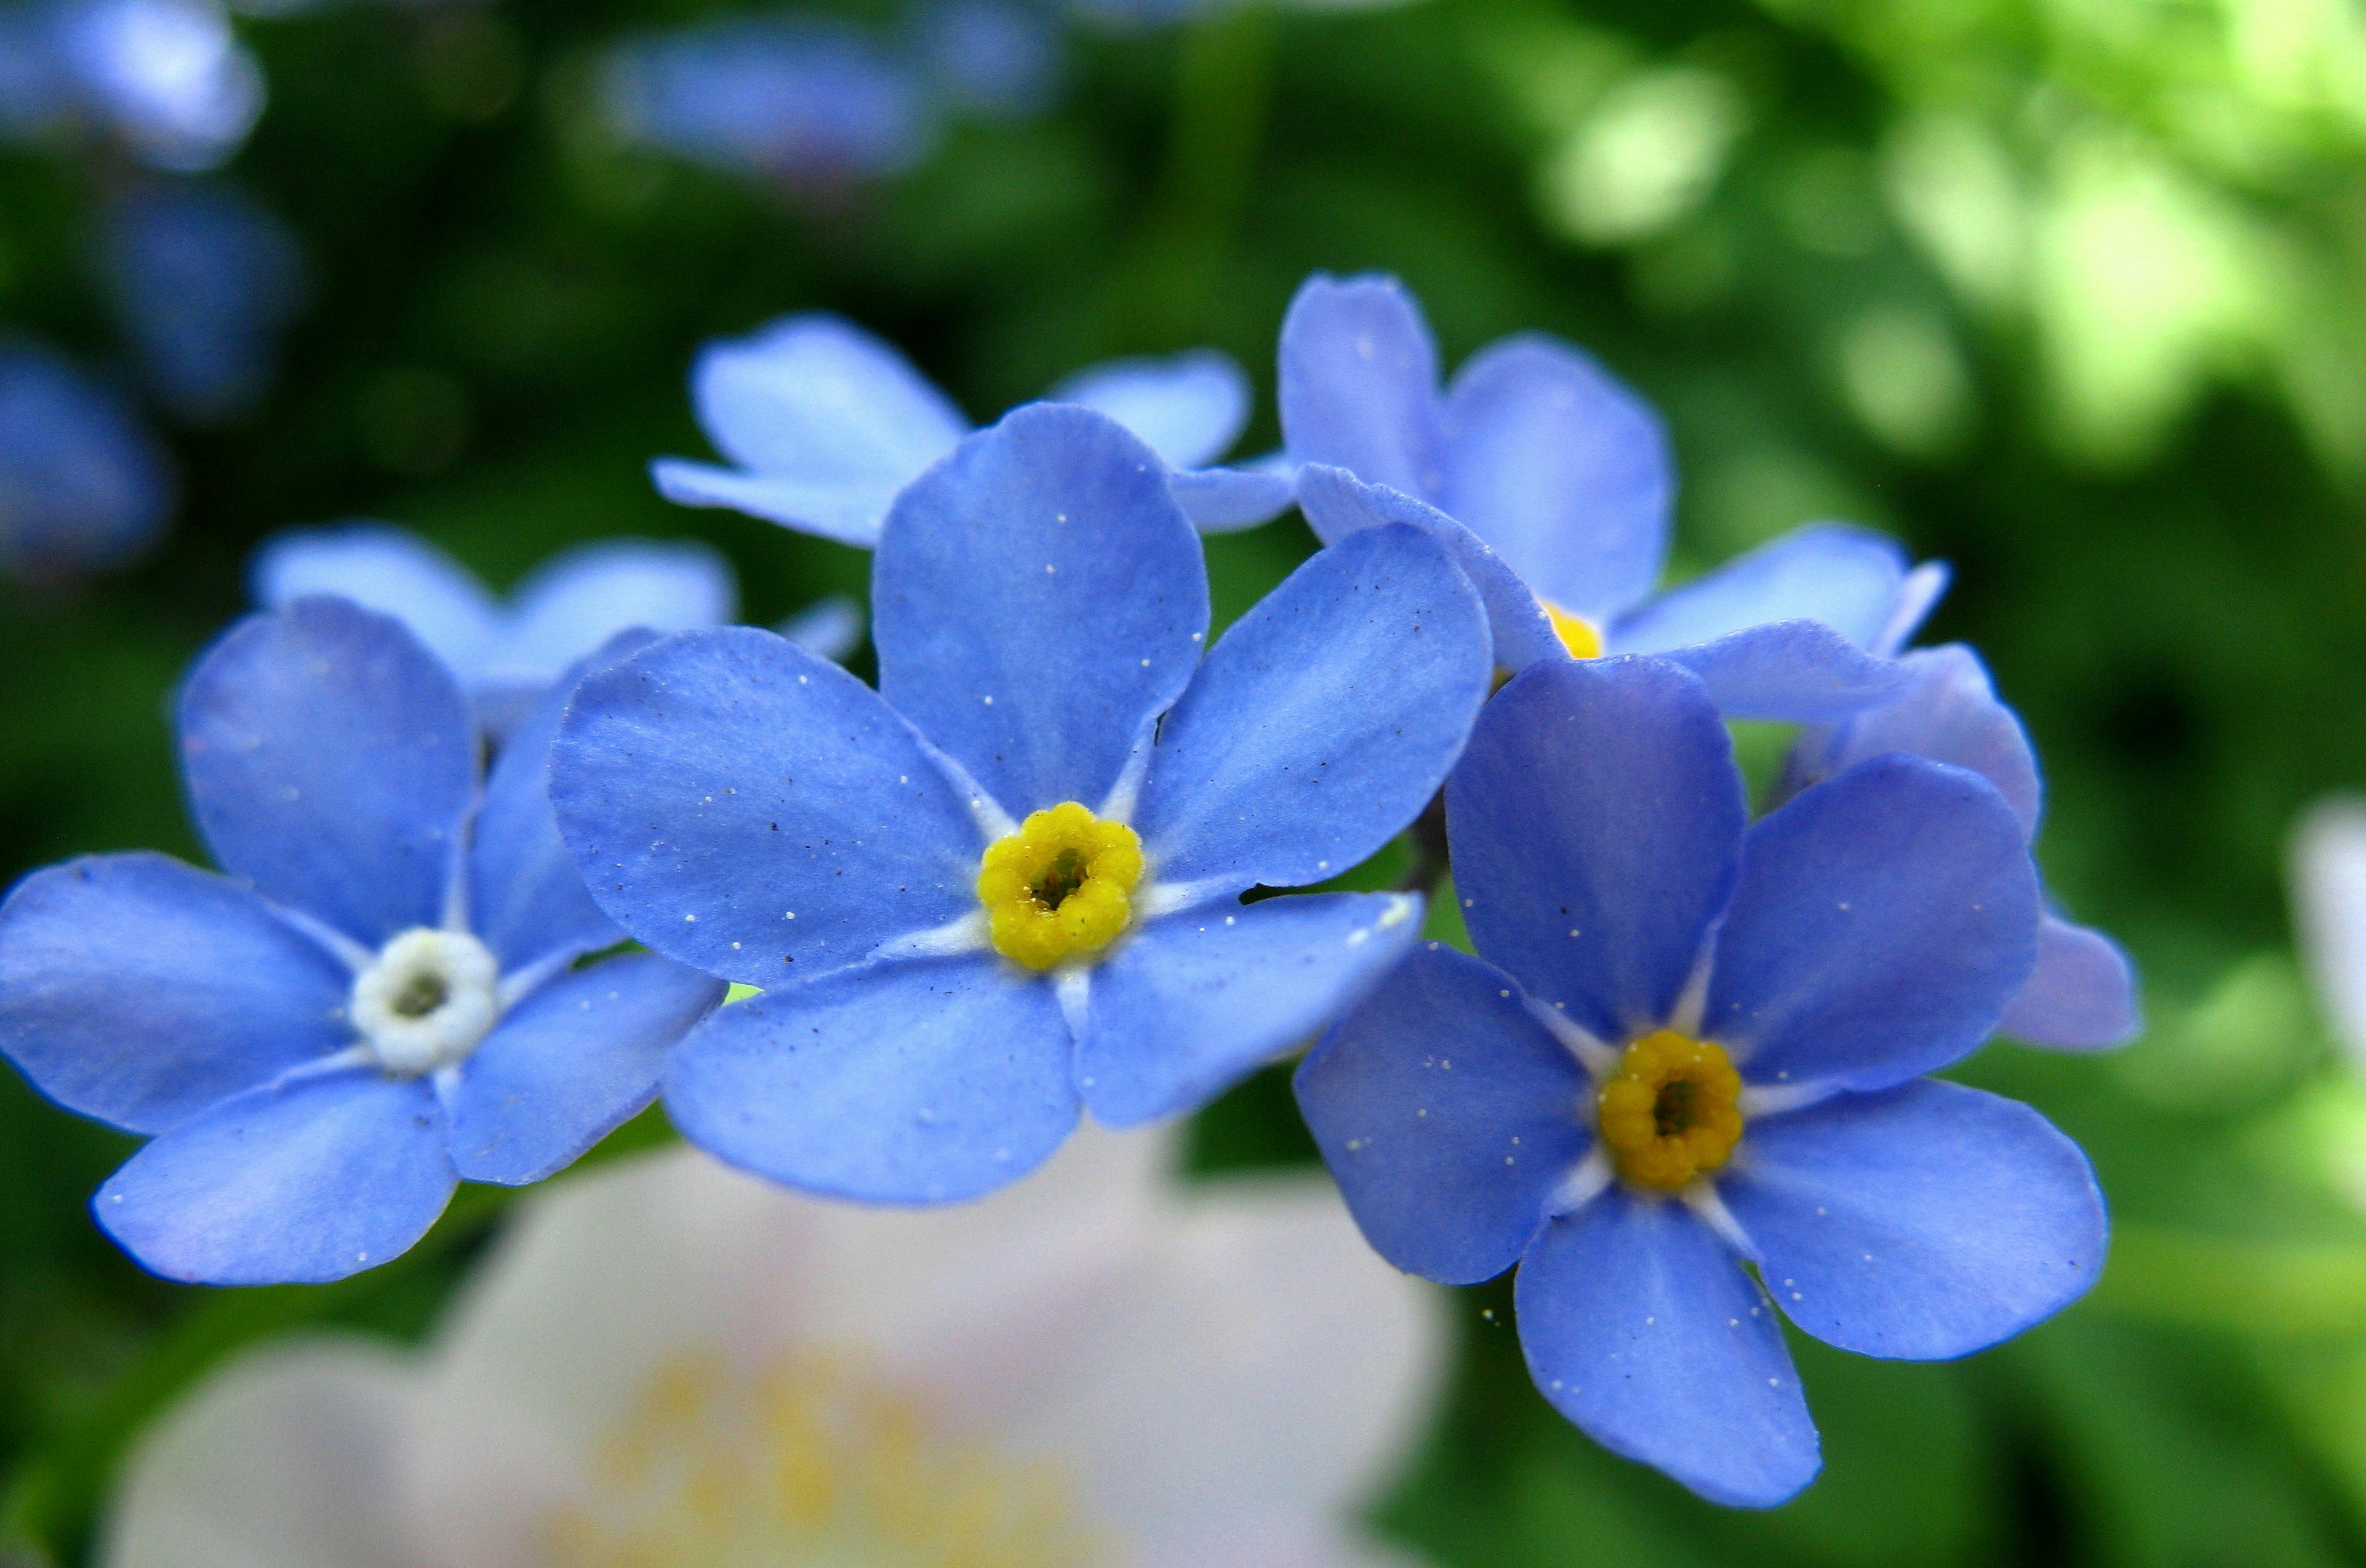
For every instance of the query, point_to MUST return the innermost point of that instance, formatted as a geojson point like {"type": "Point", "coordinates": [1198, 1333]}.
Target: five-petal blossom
{"type": "Point", "coordinates": [1045, 730]}
{"type": "Point", "coordinates": [1693, 1047]}
{"type": "Point", "coordinates": [506, 656]}
{"type": "Point", "coordinates": [386, 998]}
{"type": "Point", "coordinates": [828, 423]}
{"type": "Point", "coordinates": [1552, 482]}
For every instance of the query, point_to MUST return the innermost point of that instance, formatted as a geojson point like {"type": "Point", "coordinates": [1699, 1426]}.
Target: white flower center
{"type": "Point", "coordinates": [427, 1001]}
{"type": "Point", "coordinates": [810, 1461]}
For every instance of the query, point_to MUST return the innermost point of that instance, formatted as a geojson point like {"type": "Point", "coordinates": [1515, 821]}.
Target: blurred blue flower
{"type": "Point", "coordinates": [828, 423]}
{"type": "Point", "coordinates": [1693, 1046]}
{"type": "Point", "coordinates": [2082, 994]}
{"type": "Point", "coordinates": [35, 97]}
{"type": "Point", "coordinates": [1552, 481]}
{"type": "Point", "coordinates": [385, 1000]}
{"type": "Point", "coordinates": [1007, 884]}
{"type": "Point", "coordinates": [204, 281]}
{"type": "Point", "coordinates": [802, 97]}
{"type": "Point", "coordinates": [505, 655]}
{"type": "Point", "coordinates": [167, 78]}
{"type": "Point", "coordinates": [83, 487]}
{"type": "Point", "coordinates": [998, 56]}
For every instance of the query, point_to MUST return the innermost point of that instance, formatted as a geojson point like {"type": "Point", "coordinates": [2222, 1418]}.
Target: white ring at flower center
{"type": "Point", "coordinates": [428, 1000]}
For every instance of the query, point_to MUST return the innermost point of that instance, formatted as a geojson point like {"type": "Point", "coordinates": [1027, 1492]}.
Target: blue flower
{"type": "Point", "coordinates": [1693, 1046]}
{"type": "Point", "coordinates": [1552, 482]}
{"type": "Point", "coordinates": [809, 99]}
{"type": "Point", "coordinates": [83, 487]}
{"type": "Point", "coordinates": [1007, 884]}
{"type": "Point", "coordinates": [828, 423]}
{"type": "Point", "coordinates": [1004, 58]}
{"type": "Point", "coordinates": [167, 77]}
{"type": "Point", "coordinates": [380, 998]}
{"type": "Point", "coordinates": [204, 282]}
{"type": "Point", "coordinates": [506, 656]}
{"type": "Point", "coordinates": [2082, 994]}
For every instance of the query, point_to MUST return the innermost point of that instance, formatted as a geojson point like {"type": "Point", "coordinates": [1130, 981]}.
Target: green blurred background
{"type": "Point", "coordinates": [2070, 292]}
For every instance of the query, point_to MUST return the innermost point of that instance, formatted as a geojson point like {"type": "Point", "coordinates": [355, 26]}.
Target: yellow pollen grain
{"type": "Point", "coordinates": [1061, 887]}
{"type": "Point", "coordinates": [1580, 635]}
{"type": "Point", "coordinates": [1672, 1110]}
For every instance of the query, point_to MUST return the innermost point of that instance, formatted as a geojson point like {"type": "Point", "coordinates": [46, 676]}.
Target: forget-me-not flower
{"type": "Point", "coordinates": [2082, 995]}
{"type": "Point", "coordinates": [828, 423]}
{"type": "Point", "coordinates": [1003, 57]}
{"type": "Point", "coordinates": [1007, 884]}
{"type": "Point", "coordinates": [806, 99]}
{"type": "Point", "coordinates": [1693, 1046]}
{"type": "Point", "coordinates": [84, 487]}
{"type": "Point", "coordinates": [506, 655]}
{"type": "Point", "coordinates": [1553, 482]}
{"type": "Point", "coordinates": [167, 78]}
{"type": "Point", "coordinates": [204, 282]}
{"type": "Point", "coordinates": [380, 999]}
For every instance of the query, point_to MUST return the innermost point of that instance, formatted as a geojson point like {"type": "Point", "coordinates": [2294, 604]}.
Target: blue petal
{"type": "Point", "coordinates": [203, 281]}
{"type": "Point", "coordinates": [1641, 1327]}
{"type": "Point", "coordinates": [1447, 1114]}
{"type": "Point", "coordinates": [569, 1064]}
{"type": "Point", "coordinates": [902, 1083]}
{"type": "Point", "coordinates": [1225, 501]}
{"type": "Point", "coordinates": [755, 812]}
{"type": "Point", "coordinates": [1037, 601]}
{"type": "Point", "coordinates": [1917, 597]}
{"type": "Point", "coordinates": [330, 760]}
{"type": "Point", "coordinates": [526, 898]}
{"type": "Point", "coordinates": [1563, 470]}
{"type": "Point", "coordinates": [297, 1182]}
{"type": "Point", "coordinates": [1948, 712]}
{"type": "Point", "coordinates": [578, 599]}
{"type": "Point", "coordinates": [1359, 383]}
{"type": "Point", "coordinates": [2082, 995]}
{"type": "Point", "coordinates": [1338, 504]}
{"type": "Point", "coordinates": [83, 486]}
{"type": "Point", "coordinates": [829, 628]}
{"type": "Point", "coordinates": [799, 100]}
{"type": "Point", "coordinates": [849, 510]}
{"type": "Point", "coordinates": [385, 568]}
{"type": "Point", "coordinates": [1846, 578]}
{"type": "Point", "coordinates": [140, 990]}
{"type": "Point", "coordinates": [1792, 671]}
{"type": "Point", "coordinates": [1188, 408]}
{"type": "Point", "coordinates": [1596, 821]}
{"type": "Point", "coordinates": [1324, 721]}
{"type": "Point", "coordinates": [816, 399]}
{"type": "Point", "coordinates": [1925, 1222]}
{"type": "Point", "coordinates": [1192, 1003]}
{"type": "Point", "coordinates": [1883, 920]}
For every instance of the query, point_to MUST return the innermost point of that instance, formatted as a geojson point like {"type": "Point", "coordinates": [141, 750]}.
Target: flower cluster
{"type": "Point", "coordinates": [1068, 857]}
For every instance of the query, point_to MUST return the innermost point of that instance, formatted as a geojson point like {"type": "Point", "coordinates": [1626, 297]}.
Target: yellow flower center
{"type": "Point", "coordinates": [1061, 887]}
{"type": "Point", "coordinates": [1672, 1111]}
{"type": "Point", "coordinates": [808, 1461]}
{"type": "Point", "coordinates": [1580, 635]}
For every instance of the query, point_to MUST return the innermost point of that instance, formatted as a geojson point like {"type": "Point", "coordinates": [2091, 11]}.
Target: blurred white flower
{"type": "Point", "coordinates": [669, 1365]}
{"type": "Point", "coordinates": [2329, 892]}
